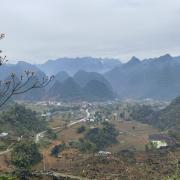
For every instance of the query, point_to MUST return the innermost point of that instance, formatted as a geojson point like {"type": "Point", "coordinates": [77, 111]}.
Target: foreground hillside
{"type": "Point", "coordinates": [90, 141]}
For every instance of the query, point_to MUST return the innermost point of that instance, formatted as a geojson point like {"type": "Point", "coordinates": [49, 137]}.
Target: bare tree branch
{"type": "Point", "coordinates": [15, 85]}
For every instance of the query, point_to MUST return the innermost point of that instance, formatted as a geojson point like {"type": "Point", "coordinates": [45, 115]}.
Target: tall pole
{"type": "Point", "coordinates": [44, 164]}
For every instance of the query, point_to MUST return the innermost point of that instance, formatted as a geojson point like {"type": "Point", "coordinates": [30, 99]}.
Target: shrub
{"type": "Point", "coordinates": [81, 129]}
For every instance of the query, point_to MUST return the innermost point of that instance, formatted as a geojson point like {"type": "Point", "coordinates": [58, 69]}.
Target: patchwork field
{"type": "Point", "coordinates": [132, 134]}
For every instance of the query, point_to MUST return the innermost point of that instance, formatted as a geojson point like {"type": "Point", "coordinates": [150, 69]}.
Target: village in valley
{"type": "Point", "coordinates": [72, 133]}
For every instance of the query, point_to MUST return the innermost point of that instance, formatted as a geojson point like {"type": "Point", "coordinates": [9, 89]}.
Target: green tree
{"type": "Point", "coordinates": [25, 154]}
{"type": "Point", "coordinates": [23, 121]}
{"type": "Point", "coordinates": [102, 137]}
{"type": "Point", "coordinates": [57, 149]}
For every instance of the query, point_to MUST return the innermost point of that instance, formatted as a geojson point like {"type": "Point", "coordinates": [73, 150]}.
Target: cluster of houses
{"type": "Point", "coordinates": [46, 103]}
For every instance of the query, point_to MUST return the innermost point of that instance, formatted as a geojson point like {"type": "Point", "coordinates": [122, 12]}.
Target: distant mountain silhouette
{"type": "Point", "coordinates": [133, 61]}
{"type": "Point", "coordinates": [83, 77]}
{"type": "Point", "coordinates": [61, 76]}
{"type": "Point", "coordinates": [97, 90]}
{"type": "Point", "coordinates": [73, 65]}
{"type": "Point", "coordinates": [157, 78]}
{"type": "Point", "coordinates": [71, 90]}
{"type": "Point", "coordinates": [19, 69]}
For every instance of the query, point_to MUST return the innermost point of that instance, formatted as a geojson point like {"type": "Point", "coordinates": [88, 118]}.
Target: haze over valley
{"type": "Point", "coordinates": [83, 78]}
{"type": "Point", "coordinates": [90, 90]}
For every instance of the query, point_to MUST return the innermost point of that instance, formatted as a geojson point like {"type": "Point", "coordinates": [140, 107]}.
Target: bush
{"type": "Point", "coordinates": [57, 149]}
{"type": "Point", "coordinates": [128, 155]}
{"type": "Point", "coordinates": [81, 129]}
{"type": "Point", "coordinates": [74, 144]}
{"type": "Point", "coordinates": [86, 146]}
{"type": "Point", "coordinates": [51, 134]}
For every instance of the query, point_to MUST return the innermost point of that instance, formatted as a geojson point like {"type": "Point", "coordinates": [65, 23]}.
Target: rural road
{"type": "Point", "coordinates": [39, 135]}
{"type": "Point", "coordinates": [6, 151]}
{"type": "Point", "coordinates": [9, 149]}
{"type": "Point", "coordinates": [60, 175]}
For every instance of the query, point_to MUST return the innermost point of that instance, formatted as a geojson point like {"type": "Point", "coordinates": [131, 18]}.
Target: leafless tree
{"type": "Point", "coordinates": [15, 85]}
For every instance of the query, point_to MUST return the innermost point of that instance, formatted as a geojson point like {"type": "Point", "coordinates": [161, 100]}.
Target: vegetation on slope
{"type": "Point", "coordinates": [96, 139]}
{"type": "Point", "coordinates": [166, 119]}
{"type": "Point", "coordinates": [19, 120]}
{"type": "Point", "coordinates": [25, 154]}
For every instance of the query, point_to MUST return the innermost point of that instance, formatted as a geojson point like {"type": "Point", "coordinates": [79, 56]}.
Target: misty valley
{"type": "Point", "coordinates": [90, 90]}
{"type": "Point", "coordinates": [96, 119]}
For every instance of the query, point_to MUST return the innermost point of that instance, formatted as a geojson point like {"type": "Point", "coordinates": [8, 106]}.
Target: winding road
{"type": "Point", "coordinates": [39, 135]}
{"type": "Point", "coordinates": [9, 149]}
{"type": "Point", "coordinates": [5, 152]}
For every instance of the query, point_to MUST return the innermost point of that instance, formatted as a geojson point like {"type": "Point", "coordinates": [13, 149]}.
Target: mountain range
{"type": "Point", "coordinates": [73, 65]}
{"type": "Point", "coordinates": [100, 79]}
{"type": "Point", "coordinates": [83, 85]}
{"type": "Point", "coordinates": [156, 78]}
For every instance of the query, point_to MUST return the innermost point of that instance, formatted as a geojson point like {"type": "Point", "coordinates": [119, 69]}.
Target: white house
{"type": "Point", "coordinates": [104, 153]}
{"type": "Point", "coordinates": [91, 120]}
{"type": "Point", "coordinates": [162, 140]}
{"type": "Point", "coordinates": [159, 143]}
{"type": "Point", "coordinates": [48, 114]}
{"type": "Point", "coordinates": [3, 134]}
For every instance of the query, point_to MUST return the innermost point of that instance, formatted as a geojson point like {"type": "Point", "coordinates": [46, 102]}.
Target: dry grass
{"type": "Point", "coordinates": [70, 133]}
{"type": "Point", "coordinates": [5, 163]}
{"type": "Point", "coordinates": [56, 122]}
{"type": "Point", "coordinates": [129, 137]}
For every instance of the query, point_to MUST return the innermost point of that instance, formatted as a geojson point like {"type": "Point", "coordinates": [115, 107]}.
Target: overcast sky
{"type": "Point", "coordinates": [38, 30]}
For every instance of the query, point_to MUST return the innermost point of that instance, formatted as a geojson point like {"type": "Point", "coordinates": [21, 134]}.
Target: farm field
{"type": "Point", "coordinates": [71, 159]}
{"type": "Point", "coordinates": [132, 134]}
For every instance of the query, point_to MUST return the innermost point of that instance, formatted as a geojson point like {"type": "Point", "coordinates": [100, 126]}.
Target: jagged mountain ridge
{"type": "Point", "coordinates": [156, 78]}
{"type": "Point", "coordinates": [73, 65]}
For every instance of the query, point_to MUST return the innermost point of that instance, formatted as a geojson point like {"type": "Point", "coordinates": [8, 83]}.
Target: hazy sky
{"type": "Point", "coordinates": [38, 30]}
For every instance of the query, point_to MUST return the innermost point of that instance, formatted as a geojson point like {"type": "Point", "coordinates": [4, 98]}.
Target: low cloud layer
{"type": "Point", "coordinates": [38, 30]}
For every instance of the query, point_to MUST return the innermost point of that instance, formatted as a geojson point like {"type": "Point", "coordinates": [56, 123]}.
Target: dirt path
{"type": "Point", "coordinates": [60, 175]}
